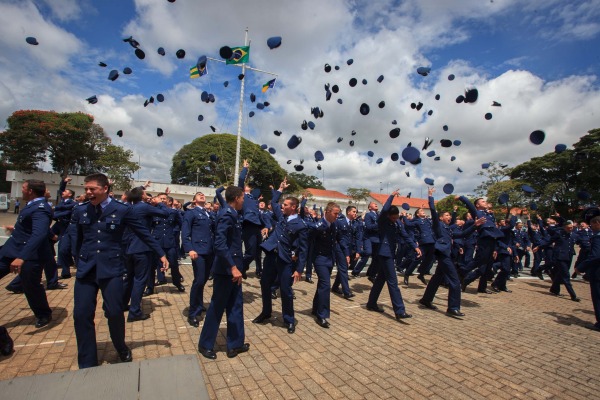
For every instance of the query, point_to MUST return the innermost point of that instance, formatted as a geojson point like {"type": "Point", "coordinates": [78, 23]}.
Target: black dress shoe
{"type": "Point", "coordinates": [6, 343]}
{"type": "Point", "coordinates": [404, 315]}
{"type": "Point", "coordinates": [65, 276]}
{"type": "Point", "coordinates": [355, 275]}
{"type": "Point", "coordinates": [485, 291]}
{"type": "Point", "coordinates": [336, 290]}
{"type": "Point", "coordinates": [142, 317]}
{"type": "Point", "coordinates": [554, 293]}
{"type": "Point", "coordinates": [261, 318]}
{"type": "Point", "coordinates": [43, 321]}
{"type": "Point", "coordinates": [148, 292]}
{"type": "Point", "coordinates": [540, 275]}
{"type": "Point", "coordinates": [125, 355]}
{"type": "Point", "coordinates": [405, 280]}
{"type": "Point", "coordinates": [349, 296]}
{"type": "Point", "coordinates": [495, 289]}
{"type": "Point", "coordinates": [463, 286]}
{"type": "Point", "coordinates": [593, 328]}
{"type": "Point", "coordinates": [574, 275]}
{"type": "Point", "coordinates": [193, 321]}
{"type": "Point", "coordinates": [57, 286]}
{"type": "Point", "coordinates": [274, 294]}
{"type": "Point", "coordinates": [507, 290]}
{"type": "Point", "coordinates": [182, 279]}
{"type": "Point", "coordinates": [160, 283]}
{"type": "Point", "coordinates": [454, 313]}
{"type": "Point", "coordinates": [180, 288]}
{"type": "Point", "coordinates": [575, 298]}
{"type": "Point", "coordinates": [371, 279]}
{"type": "Point", "coordinates": [427, 304]}
{"type": "Point", "coordinates": [234, 352]}
{"type": "Point", "coordinates": [291, 328]}
{"type": "Point", "coordinates": [309, 280]}
{"type": "Point", "coordinates": [422, 279]}
{"type": "Point", "coordinates": [208, 353]}
{"type": "Point", "coordinates": [375, 308]}
{"type": "Point", "coordinates": [323, 323]}
{"type": "Point", "coordinates": [14, 289]}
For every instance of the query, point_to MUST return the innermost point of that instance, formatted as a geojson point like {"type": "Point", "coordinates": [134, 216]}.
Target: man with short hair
{"type": "Point", "coordinates": [62, 216]}
{"type": "Point", "coordinates": [28, 248]}
{"type": "Point", "coordinates": [227, 282]}
{"type": "Point", "coordinates": [370, 243]}
{"type": "Point", "coordinates": [97, 242]}
{"type": "Point", "coordinates": [591, 266]}
{"type": "Point", "coordinates": [164, 231]}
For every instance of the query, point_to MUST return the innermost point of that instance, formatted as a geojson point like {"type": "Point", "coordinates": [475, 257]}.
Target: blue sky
{"type": "Point", "coordinates": [537, 58]}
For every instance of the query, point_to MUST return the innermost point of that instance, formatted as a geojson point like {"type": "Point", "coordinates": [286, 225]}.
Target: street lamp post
{"type": "Point", "coordinates": [197, 176]}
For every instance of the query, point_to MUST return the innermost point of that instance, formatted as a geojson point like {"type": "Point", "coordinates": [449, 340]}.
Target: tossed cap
{"type": "Point", "coordinates": [277, 133]}
{"type": "Point", "coordinates": [327, 68]}
{"type": "Point", "coordinates": [139, 53]}
{"type": "Point", "coordinates": [395, 157]}
{"type": "Point", "coordinates": [379, 161]}
{"type": "Point", "coordinates": [537, 137]}
{"type": "Point", "coordinates": [127, 70]}
{"type": "Point", "coordinates": [113, 75]}
{"type": "Point", "coordinates": [120, 133]}
{"type": "Point", "coordinates": [364, 109]}
{"type": "Point", "coordinates": [488, 116]}
{"type": "Point", "coordinates": [381, 104]}
{"type": "Point", "coordinates": [102, 64]}
{"type": "Point", "coordinates": [160, 97]}
{"type": "Point", "coordinates": [350, 61]}
{"type": "Point", "coordinates": [214, 158]}
{"type": "Point", "coordinates": [471, 95]}
{"type": "Point", "coordinates": [451, 77]}
{"type": "Point", "coordinates": [299, 167]}
{"type": "Point", "coordinates": [31, 40]}
{"type": "Point", "coordinates": [274, 42]}
{"type": "Point", "coordinates": [319, 156]}
{"type": "Point", "coordinates": [293, 142]}
{"type": "Point", "coordinates": [446, 143]}
{"type": "Point", "coordinates": [527, 189]}
{"type": "Point", "coordinates": [200, 117]}
{"type": "Point", "coordinates": [559, 148]}
{"type": "Point", "coordinates": [448, 188]}
{"type": "Point", "coordinates": [429, 181]}
{"type": "Point", "coordinates": [161, 51]}
{"type": "Point", "coordinates": [352, 82]}
{"type": "Point", "coordinates": [159, 132]}
{"type": "Point", "coordinates": [411, 154]}
{"type": "Point", "coordinates": [380, 79]}
{"type": "Point", "coordinates": [485, 165]}
{"type": "Point", "coordinates": [503, 198]}
{"type": "Point", "coordinates": [423, 71]}
{"type": "Point", "coordinates": [394, 133]}
{"type": "Point", "coordinates": [272, 150]}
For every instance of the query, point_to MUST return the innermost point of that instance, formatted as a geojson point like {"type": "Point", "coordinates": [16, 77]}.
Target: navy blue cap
{"type": "Point", "coordinates": [485, 165]}
{"type": "Point", "coordinates": [251, 114]}
{"type": "Point", "coordinates": [102, 64]}
{"type": "Point", "coordinates": [160, 97]}
{"type": "Point", "coordinates": [267, 104]}
{"type": "Point", "coordinates": [370, 153]}
{"type": "Point", "coordinates": [428, 181]}
{"type": "Point", "coordinates": [319, 167]}
{"type": "Point", "coordinates": [277, 133]}
{"type": "Point", "coordinates": [226, 83]}
{"type": "Point", "coordinates": [204, 96]}
{"type": "Point", "coordinates": [471, 95]}
{"type": "Point", "coordinates": [394, 122]}
{"type": "Point", "coordinates": [299, 167]}
{"type": "Point", "coordinates": [431, 153]}
{"type": "Point", "coordinates": [445, 128]}
{"type": "Point", "coordinates": [240, 77]}
{"type": "Point", "coordinates": [327, 68]}
{"type": "Point", "coordinates": [340, 101]}
{"type": "Point", "coordinates": [405, 206]}
{"type": "Point", "coordinates": [31, 40]}
{"type": "Point", "coordinates": [375, 141]}
{"type": "Point", "coordinates": [394, 133]}
{"type": "Point", "coordinates": [159, 132]}
{"type": "Point", "coordinates": [294, 142]}
{"type": "Point", "coordinates": [212, 128]}
{"type": "Point", "coordinates": [423, 71]}
{"type": "Point", "coordinates": [337, 68]}
{"type": "Point", "coordinates": [451, 77]}
{"type": "Point", "coordinates": [559, 148]}
{"type": "Point", "coordinates": [274, 42]}
{"type": "Point", "coordinates": [419, 106]}
{"type": "Point", "coordinates": [430, 112]}
{"type": "Point", "coordinates": [311, 125]}
{"type": "Point", "coordinates": [161, 51]}
{"type": "Point", "coordinates": [289, 162]}
{"type": "Point", "coordinates": [437, 96]}
{"type": "Point", "coordinates": [352, 82]}
{"type": "Point", "coordinates": [446, 143]}
{"type": "Point", "coordinates": [92, 100]}
{"type": "Point", "coordinates": [146, 102]}
{"type": "Point", "coordinates": [200, 117]}
{"type": "Point", "coordinates": [527, 189]}
{"type": "Point", "coordinates": [364, 81]}
{"type": "Point", "coordinates": [488, 116]}
{"type": "Point", "coordinates": [134, 43]}
{"type": "Point", "coordinates": [381, 104]}
{"type": "Point", "coordinates": [380, 79]}
{"type": "Point", "coordinates": [460, 99]}
{"type": "Point", "coordinates": [413, 105]}
{"type": "Point", "coordinates": [211, 98]}
{"type": "Point", "coordinates": [327, 95]}
{"type": "Point", "coordinates": [339, 140]}
{"type": "Point", "coordinates": [427, 143]}
{"type": "Point", "coordinates": [319, 156]}
{"type": "Point", "coordinates": [260, 106]}
{"type": "Point", "coordinates": [120, 133]}
{"type": "Point", "coordinates": [438, 158]}
{"type": "Point", "coordinates": [503, 198]}
{"type": "Point", "coordinates": [335, 88]}
{"type": "Point", "coordinates": [252, 97]}
{"type": "Point", "coordinates": [350, 61]}
{"type": "Point", "coordinates": [402, 162]}
{"type": "Point", "coordinates": [407, 173]}
{"type": "Point", "coordinates": [448, 188]}
{"type": "Point", "coordinates": [496, 104]}
{"type": "Point", "coordinates": [457, 142]}
{"type": "Point", "coordinates": [537, 137]}
{"type": "Point", "coordinates": [351, 143]}
{"type": "Point", "coordinates": [379, 161]}
{"type": "Point", "coordinates": [272, 150]}
{"type": "Point", "coordinates": [533, 206]}
{"type": "Point", "coordinates": [151, 99]}
{"type": "Point", "coordinates": [411, 154]}
{"type": "Point", "coordinates": [113, 75]}
{"type": "Point", "coordinates": [395, 157]}
{"type": "Point", "coordinates": [139, 53]}
{"type": "Point", "coordinates": [304, 125]}
{"type": "Point", "coordinates": [452, 158]}
{"type": "Point", "coordinates": [226, 52]}
{"type": "Point", "coordinates": [214, 158]}
{"type": "Point", "coordinates": [127, 70]}
{"type": "Point", "coordinates": [364, 109]}
{"type": "Point", "coordinates": [264, 146]}
{"type": "Point", "coordinates": [353, 132]}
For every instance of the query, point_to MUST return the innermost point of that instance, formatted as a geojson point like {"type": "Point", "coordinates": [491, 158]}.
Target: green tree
{"type": "Point", "coordinates": [209, 160]}
{"type": "Point", "coordinates": [495, 173]}
{"type": "Point", "coordinates": [358, 194]}
{"type": "Point", "coordinates": [448, 203]}
{"type": "Point", "coordinates": [513, 187]}
{"type": "Point", "coordinates": [116, 162]}
{"type": "Point", "coordinates": [306, 181]}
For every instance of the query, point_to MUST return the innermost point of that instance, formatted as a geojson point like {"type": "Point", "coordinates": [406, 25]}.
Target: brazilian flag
{"type": "Point", "coordinates": [241, 55]}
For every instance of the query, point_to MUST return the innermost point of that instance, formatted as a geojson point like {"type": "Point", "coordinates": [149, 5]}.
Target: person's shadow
{"type": "Point", "coordinates": [58, 316]}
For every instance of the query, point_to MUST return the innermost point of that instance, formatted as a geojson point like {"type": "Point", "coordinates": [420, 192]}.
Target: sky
{"type": "Point", "coordinates": [538, 59]}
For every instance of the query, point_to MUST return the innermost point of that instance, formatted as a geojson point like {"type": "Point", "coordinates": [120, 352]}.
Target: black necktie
{"type": "Point", "coordinates": [98, 211]}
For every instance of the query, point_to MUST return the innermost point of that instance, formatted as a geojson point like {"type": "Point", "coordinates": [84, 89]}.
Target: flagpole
{"type": "Point", "coordinates": [236, 172]}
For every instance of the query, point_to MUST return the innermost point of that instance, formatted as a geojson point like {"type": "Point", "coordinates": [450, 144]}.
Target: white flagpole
{"type": "Point", "coordinates": [236, 172]}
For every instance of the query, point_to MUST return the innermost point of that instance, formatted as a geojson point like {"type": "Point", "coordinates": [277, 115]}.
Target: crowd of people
{"type": "Point", "coordinates": [124, 247]}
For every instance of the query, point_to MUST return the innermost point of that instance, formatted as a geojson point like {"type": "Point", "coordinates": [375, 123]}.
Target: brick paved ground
{"type": "Point", "coordinates": [527, 344]}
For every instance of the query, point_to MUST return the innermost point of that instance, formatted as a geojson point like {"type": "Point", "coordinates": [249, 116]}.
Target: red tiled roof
{"type": "Point", "coordinates": [327, 194]}
{"type": "Point", "coordinates": [398, 201]}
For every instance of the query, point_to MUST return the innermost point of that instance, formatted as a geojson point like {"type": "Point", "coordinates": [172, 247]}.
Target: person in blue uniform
{"type": "Point", "coordinates": [523, 245]}
{"type": "Point", "coordinates": [487, 235]}
{"type": "Point", "coordinates": [389, 235]}
{"type": "Point", "coordinates": [197, 232]}
{"type": "Point", "coordinates": [445, 270]}
{"type": "Point", "coordinates": [164, 231]}
{"type": "Point", "coordinates": [227, 281]}
{"type": "Point", "coordinates": [343, 251]}
{"type": "Point", "coordinates": [426, 245]}
{"type": "Point", "coordinates": [97, 244]}
{"type": "Point", "coordinates": [141, 256]}
{"type": "Point", "coordinates": [537, 241]}
{"type": "Point", "coordinates": [286, 253]}
{"type": "Point", "coordinates": [505, 254]}
{"type": "Point", "coordinates": [253, 226]}
{"type": "Point", "coordinates": [591, 267]}
{"type": "Point", "coordinates": [583, 240]}
{"type": "Point", "coordinates": [370, 244]}
{"type": "Point", "coordinates": [27, 249]}
{"type": "Point", "coordinates": [62, 216]}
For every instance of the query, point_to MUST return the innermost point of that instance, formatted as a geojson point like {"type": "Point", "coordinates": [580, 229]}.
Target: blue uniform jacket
{"type": "Point", "coordinates": [98, 244]}
{"type": "Point", "coordinates": [145, 213]}
{"type": "Point", "coordinates": [424, 225]}
{"type": "Point", "coordinates": [198, 231]}
{"type": "Point", "coordinates": [389, 232]}
{"type": "Point", "coordinates": [444, 234]}
{"type": "Point", "coordinates": [165, 228]}
{"type": "Point", "coordinates": [29, 239]}
{"type": "Point", "coordinates": [250, 211]}
{"type": "Point", "coordinates": [371, 231]}
{"type": "Point", "coordinates": [344, 243]}
{"type": "Point", "coordinates": [488, 229]}
{"type": "Point", "coordinates": [591, 265]}
{"type": "Point", "coordinates": [228, 242]}
{"type": "Point", "coordinates": [289, 237]}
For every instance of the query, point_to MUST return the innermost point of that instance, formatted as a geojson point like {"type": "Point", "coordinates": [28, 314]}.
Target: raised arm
{"type": "Point", "coordinates": [469, 205]}
{"type": "Point", "coordinates": [243, 174]}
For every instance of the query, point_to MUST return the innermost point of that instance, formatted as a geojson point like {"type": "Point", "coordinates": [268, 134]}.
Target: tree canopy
{"type": "Point", "coordinates": [209, 160]}
{"type": "Point", "coordinates": [495, 173]}
{"type": "Point", "coordinates": [306, 181]}
{"type": "Point", "coordinates": [72, 142]}
{"type": "Point", "coordinates": [358, 194]}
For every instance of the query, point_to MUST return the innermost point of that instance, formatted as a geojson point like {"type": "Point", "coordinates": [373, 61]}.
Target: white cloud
{"type": "Point", "coordinates": [66, 10]}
